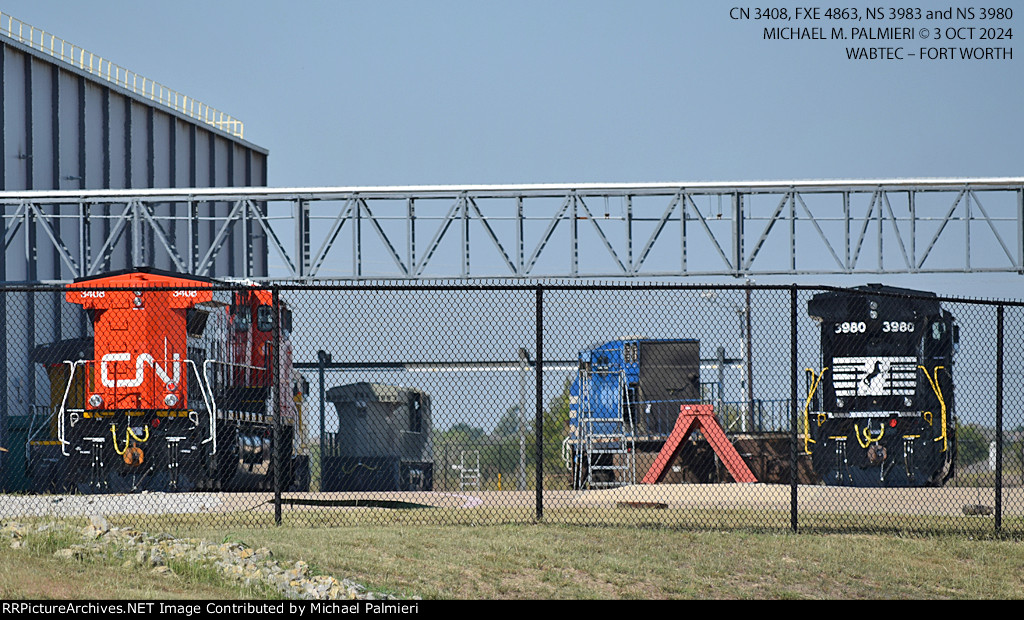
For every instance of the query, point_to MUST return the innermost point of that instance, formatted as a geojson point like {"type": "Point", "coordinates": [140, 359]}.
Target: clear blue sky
{"type": "Point", "coordinates": [390, 92]}
{"type": "Point", "coordinates": [467, 92]}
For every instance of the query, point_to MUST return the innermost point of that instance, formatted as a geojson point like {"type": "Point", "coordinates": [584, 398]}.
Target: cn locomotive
{"type": "Point", "coordinates": [880, 409]}
{"type": "Point", "coordinates": [178, 388]}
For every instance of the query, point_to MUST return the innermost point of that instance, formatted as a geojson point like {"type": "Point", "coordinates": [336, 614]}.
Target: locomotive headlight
{"type": "Point", "coordinates": [840, 402]}
{"type": "Point", "coordinates": [171, 400]}
{"type": "Point", "coordinates": [908, 401]}
{"type": "Point", "coordinates": [95, 401]}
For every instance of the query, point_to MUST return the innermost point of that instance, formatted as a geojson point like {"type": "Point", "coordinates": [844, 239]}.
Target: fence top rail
{"type": "Point", "coordinates": [528, 190]}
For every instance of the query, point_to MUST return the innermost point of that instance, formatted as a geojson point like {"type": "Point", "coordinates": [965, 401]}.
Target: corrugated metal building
{"type": "Point", "coordinates": [70, 120]}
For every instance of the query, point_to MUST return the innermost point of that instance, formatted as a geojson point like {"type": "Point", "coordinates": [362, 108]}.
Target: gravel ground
{"type": "Point", "coordinates": [912, 501]}
{"type": "Point", "coordinates": [235, 561]}
{"type": "Point", "coordinates": [59, 506]}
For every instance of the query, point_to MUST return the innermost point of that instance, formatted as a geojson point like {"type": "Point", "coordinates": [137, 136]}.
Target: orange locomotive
{"type": "Point", "coordinates": [179, 389]}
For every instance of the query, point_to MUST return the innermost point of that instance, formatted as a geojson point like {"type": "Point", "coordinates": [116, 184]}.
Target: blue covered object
{"type": "Point", "coordinates": [643, 381]}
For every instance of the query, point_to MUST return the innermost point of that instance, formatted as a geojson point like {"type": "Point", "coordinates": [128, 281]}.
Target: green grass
{"type": "Point", "coordinates": [579, 562]}
{"type": "Point", "coordinates": [33, 572]}
{"type": "Point", "coordinates": [653, 557]}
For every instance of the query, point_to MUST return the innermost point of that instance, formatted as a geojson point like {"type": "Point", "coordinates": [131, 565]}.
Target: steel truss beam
{"type": "Point", "coordinates": [535, 231]}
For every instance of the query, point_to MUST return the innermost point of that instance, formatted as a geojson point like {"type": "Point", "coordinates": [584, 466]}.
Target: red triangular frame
{"type": "Point", "coordinates": [691, 418]}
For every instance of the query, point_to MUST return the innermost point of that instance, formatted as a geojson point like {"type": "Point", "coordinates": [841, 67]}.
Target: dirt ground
{"type": "Point", "coordinates": [945, 501]}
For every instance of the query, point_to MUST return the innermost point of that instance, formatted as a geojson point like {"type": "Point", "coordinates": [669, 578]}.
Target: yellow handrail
{"type": "Point", "coordinates": [942, 404]}
{"type": "Point", "coordinates": [807, 407]}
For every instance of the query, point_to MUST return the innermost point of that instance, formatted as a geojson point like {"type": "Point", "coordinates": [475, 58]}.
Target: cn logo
{"type": "Point", "coordinates": [140, 369]}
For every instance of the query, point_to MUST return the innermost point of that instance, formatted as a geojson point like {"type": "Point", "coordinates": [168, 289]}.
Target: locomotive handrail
{"type": "Point", "coordinates": [211, 405]}
{"type": "Point", "coordinates": [235, 364]}
{"type": "Point", "coordinates": [211, 402]}
{"type": "Point", "coordinates": [63, 403]}
{"type": "Point", "coordinates": [942, 404]}
{"type": "Point", "coordinates": [807, 406]}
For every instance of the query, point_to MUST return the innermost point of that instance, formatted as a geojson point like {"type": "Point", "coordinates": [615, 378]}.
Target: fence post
{"type": "Point", "coordinates": [999, 417]}
{"type": "Point", "coordinates": [323, 358]}
{"type": "Point", "coordinates": [275, 453]}
{"type": "Point", "coordinates": [793, 463]}
{"type": "Point", "coordinates": [5, 411]}
{"type": "Point", "coordinates": [539, 423]}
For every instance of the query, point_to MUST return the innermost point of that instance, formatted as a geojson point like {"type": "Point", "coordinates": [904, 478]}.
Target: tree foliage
{"type": "Point", "coordinates": [512, 444]}
{"type": "Point", "coordinates": [972, 446]}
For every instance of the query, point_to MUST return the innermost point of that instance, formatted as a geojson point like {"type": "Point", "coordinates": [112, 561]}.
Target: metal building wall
{"type": "Point", "coordinates": [64, 129]}
{"type": "Point", "coordinates": [61, 128]}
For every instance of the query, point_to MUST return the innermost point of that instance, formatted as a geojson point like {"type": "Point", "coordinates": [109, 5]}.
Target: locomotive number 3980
{"type": "Point", "coordinates": [860, 327]}
{"type": "Point", "coordinates": [851, 327]}
{"type": "Point", "coordinates": [897, 326]}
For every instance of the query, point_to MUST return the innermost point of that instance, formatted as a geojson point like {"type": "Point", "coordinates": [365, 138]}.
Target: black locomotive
{"type": "Point", "coordinates": [880, 408]}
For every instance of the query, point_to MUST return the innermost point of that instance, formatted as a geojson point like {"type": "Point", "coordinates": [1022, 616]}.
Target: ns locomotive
{"type": "Point", "coordinates": [880, 409]}
{"type": "Point", "coordinates": [174, 391]}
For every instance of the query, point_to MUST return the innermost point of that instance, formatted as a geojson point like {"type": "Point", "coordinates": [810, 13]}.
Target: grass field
{"type": "Point", "coordinates": [547, 561]}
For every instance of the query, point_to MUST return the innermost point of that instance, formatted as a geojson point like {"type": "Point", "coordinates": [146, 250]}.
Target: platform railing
{"type": "Point", "coordinates": [85, 60]}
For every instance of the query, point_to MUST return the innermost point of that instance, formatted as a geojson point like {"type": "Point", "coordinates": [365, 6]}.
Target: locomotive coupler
{"type": "Point", "coordinates": [877, 454]}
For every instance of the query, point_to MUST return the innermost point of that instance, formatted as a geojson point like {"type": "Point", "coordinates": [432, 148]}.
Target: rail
{"type": "Point", "coordinates": [102, 68]}
{"type": "Point", "coordinates": [770, 415]}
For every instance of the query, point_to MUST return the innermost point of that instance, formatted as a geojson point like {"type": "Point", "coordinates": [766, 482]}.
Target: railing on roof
{"type": "Point", "coordinates": [87, 61]}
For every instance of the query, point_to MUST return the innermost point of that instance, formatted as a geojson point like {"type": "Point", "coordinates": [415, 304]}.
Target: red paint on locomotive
{"type": "Point", "coordinates": [140, 350]}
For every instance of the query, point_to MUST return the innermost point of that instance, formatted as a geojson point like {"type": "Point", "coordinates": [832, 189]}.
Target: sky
{"type": "Point", "coordinates": [402, 92]}
{"type": "Point", "coordinates": [397, 92]}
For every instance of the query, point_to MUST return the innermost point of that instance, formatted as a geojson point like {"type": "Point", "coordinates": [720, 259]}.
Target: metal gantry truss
{"type": "Point", "coordinates": [644, 230]}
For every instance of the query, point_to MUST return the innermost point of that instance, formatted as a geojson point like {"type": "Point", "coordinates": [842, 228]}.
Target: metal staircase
{"type": "Point", "coordinates": [469, 470]}
{"type": "Point", "coordinates": [606, 442]}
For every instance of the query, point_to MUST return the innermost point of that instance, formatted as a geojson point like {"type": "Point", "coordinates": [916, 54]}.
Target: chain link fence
{"type": "Point", "coordinates": [785, 408]}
